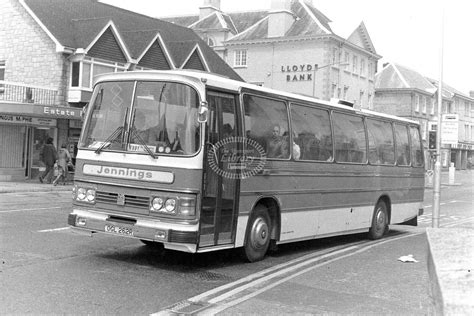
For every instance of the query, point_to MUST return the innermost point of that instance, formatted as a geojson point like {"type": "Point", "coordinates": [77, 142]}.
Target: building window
{"type": "Point", "coordinates": [371, 70]}
{"type": "Point", "coordinates": [466, 109]}
{"type": "Point", "coordinates": [83, 72]}
{"type": "Point", "coordinates": [346, 60]}
{"type": "Point", "coordinates": [240, 58]}
{"type": "Point", "coordinates": [354, 64]}
{"type": "Point", "coordinates": [466, 132]}
{"type": "Point", "coordinates": [432, 106]}
{"type": "Point", "coordinates": [346, 88]}
{"type": "Point", "coordinates": [417, 103]}
{"type": "Point", "coordinates": [2, 75]}
{"type": "Point", "coordinates": [334, 56]}
{"type": "Point", "coordinates": [362, 67]}
{"type": "Point", "coordinates": [333, 90]}
{"type": "Point", "coordinates": [425, 104]}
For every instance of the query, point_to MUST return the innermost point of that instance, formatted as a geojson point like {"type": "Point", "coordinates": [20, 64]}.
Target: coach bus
{"type": "Point", "coordinates": [197, 162]}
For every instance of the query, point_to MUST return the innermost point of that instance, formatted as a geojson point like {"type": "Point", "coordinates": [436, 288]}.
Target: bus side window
{"type": "Point", "coordinates": [263, 116]}
{"type": "Point", "coordinates": [381, 146]}
{"type": "Point", "coordinates": [416, 149]}
{"type": "Point", "coordinates": [349, 138]}
{"type": "Point", "coordinates": [402, 146]}
{"type": "Point", "coordinates": [313, 130]}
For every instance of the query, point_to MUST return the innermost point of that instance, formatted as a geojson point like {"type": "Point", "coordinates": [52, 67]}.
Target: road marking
{"type": "Point", "coordinates": [259, 279]}
{"type": "Point", "coordinates": [53, 230]}
{"type": "Point", "coordinates": [462, 221]}
{"type": "Point", "coordinates": [31, 209]}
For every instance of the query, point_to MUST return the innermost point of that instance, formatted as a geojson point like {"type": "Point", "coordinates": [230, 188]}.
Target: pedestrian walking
{"type": "Point", "coordinates": [49, 156]}
{"type": "Point", "coordinates": [64, 159]}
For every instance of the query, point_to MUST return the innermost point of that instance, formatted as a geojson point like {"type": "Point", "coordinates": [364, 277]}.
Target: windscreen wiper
{"type": "Point", "coordinates": [136, 136]}
{"type": "Point", "coordinates": [109, 140]}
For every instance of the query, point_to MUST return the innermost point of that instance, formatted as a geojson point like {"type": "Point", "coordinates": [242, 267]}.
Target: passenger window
{"type": "Point", "coordinates": [349, 138]}
{"type": "Point", "coordinates": [416, 149]}
{"type": "Point", "coordinates": [381, 146]}
{"type": "Point", "coordinates": [266, 122]}
{"type": "Point", "coordinates": [312, 133]}
{"type": "Point", "coordinates": [402, 145]}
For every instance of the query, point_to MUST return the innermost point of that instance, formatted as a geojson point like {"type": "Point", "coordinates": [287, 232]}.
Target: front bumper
{"type": "Point", "coordinates": [173, 236]}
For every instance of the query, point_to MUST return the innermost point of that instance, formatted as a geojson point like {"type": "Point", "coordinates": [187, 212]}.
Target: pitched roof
{"type": "Point", "coordinates": [394, 76]}
{"type": "Point", "coordinates": [361, 38]}
{"type": "Point", "coordinates": [448, 91]}
{"type": "Point", "coordinates": [75, 23]}
{"type": "Point", "coordinates": [215, 21]}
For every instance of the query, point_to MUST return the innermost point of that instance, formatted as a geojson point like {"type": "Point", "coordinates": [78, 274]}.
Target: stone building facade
{"type": "Point", "coordinates": [48, 63]}
{"type": "Point", "coordinates": [291, 47]}
{"type": "Point", "coordinates": [405, 92]}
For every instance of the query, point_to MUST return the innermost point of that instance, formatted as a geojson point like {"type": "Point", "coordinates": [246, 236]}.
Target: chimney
{"type": "Point", "coordinates": [280, 18]}
{"type": "Point", "coordinates": [209, 7]}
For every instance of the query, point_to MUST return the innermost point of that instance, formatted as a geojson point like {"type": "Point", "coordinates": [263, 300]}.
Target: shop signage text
{"type": "Point", "coordinates": [299, 72]}
{"type": "Point", "coordinates": [60, 112]}
{"type": "Point", "coordinates": [18, 119]}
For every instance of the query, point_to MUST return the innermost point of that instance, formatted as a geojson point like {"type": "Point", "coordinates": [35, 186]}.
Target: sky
{"type": "Point", "coordinates": [405, 32]}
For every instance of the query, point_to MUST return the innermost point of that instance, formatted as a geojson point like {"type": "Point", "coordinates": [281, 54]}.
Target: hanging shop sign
{"type": "Point", "coordinates": [28, 120]}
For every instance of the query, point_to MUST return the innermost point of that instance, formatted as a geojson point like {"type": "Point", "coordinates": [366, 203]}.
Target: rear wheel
{"type": "Point", "coordinates": [379, 221]}
{"type": "Point", "coordinates": [257, 237]}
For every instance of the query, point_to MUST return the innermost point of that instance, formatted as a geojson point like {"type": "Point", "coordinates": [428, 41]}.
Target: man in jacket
{"type": "Point", "coordinates": [49, 156]}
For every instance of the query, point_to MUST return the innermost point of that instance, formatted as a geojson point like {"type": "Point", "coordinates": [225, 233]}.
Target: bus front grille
{"type": "Point", "coordinates": [128, 200]}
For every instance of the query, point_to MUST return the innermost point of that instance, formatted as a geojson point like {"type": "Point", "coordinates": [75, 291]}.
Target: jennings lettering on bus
{"type": "Point", "coordinates": [125, 172]}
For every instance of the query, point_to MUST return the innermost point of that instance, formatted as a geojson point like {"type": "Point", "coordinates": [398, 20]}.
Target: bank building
{"type": "Point", "coordinates": [290, 47]}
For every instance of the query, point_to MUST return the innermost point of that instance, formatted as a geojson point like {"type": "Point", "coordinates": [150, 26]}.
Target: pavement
{"type": "Point", "coordinates": [370, 280]}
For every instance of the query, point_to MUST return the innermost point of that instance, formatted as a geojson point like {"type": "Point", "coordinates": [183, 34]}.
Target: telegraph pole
{"type": "Point", "coordinates": [437, 167]}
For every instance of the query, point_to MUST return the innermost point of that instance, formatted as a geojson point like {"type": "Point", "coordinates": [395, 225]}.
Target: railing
{"type": "Point", "coordinates": [22, 93]}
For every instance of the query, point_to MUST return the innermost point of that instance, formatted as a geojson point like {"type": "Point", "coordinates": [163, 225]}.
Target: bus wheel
{"type": "Point", "coordinates": [379, 221]}
{"type": "Point", "coordinates": [257, 237]}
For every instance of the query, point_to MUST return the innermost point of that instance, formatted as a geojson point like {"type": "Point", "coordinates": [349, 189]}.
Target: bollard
{"type": "Point", "coordinates": [451, 173]}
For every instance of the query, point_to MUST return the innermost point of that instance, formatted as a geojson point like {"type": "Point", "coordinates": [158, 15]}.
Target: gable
{"type": "Point", "coordinates": [361, 38]}
{"type": "Point", "coordinates": [107, 47]}
{"type": "Point", "coordinates": [195, 62]}
{"type": "Point", "coordinates": [155, 58]}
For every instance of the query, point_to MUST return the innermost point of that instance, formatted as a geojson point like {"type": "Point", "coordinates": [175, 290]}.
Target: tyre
{"type": "Point", "coordinates": [257, 237]}
{"type": "Point", "coordinates": [379, 221]}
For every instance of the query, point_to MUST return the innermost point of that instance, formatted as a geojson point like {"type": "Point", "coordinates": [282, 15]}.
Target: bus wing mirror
{"type": "Point", "coordinates": [202, 112]}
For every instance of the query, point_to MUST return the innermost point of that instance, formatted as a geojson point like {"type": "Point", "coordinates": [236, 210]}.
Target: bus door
{"type": "Point", "coordinates": [218, 213]}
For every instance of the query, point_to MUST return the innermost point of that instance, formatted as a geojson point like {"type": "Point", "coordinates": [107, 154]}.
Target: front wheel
{"type": "Point", "coordinates": [379, 221]}
{"type": "Point", "coordinates": [257, 237]}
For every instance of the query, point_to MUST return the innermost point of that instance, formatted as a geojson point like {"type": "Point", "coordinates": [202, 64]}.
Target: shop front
{"type": "Point", "coordinates": [24, 129]}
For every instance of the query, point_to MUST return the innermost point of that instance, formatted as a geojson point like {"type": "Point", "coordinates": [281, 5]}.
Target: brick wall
{"type": "Point", "coordinates": [29, 53]}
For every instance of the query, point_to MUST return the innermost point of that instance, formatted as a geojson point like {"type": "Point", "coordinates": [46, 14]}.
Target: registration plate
{"type": "Point", "coordinates": [118, 230]}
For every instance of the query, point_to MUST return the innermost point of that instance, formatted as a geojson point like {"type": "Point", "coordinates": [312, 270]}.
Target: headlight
{"type": "Point", "coordinates": [84, 194]}
{"type": "Point", "coordinates": [90, 195]}
{"type": "Point", "coordinates": [170, 205]}
{"type": "Point", "coordinates": [156, 204]}
{"type": "Point", "coordinates": [81, 194]}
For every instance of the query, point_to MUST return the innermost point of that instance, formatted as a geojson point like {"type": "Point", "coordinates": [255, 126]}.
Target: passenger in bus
{"type": "Point", "coordinates": [274, 145]}
{"type": "Point", "coordinates": [228, 131]}
{"type": "Point", "coordinates": [296, 148]}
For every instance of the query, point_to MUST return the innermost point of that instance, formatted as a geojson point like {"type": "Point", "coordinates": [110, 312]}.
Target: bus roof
{"type": "Point", "coordinates": [236, 86]}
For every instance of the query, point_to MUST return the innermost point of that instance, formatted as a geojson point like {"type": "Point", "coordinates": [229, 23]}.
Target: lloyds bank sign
{"type": "Point", "coordinates": [300, 72]}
